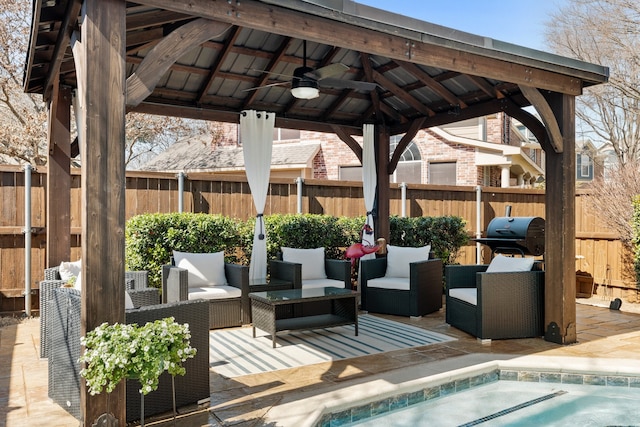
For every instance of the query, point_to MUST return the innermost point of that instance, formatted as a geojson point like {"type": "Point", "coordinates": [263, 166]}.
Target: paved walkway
{"type": "Point", "coordinates": [611, 337]}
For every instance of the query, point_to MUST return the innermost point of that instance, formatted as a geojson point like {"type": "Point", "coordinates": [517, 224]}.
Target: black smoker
{"type": "Point", "coordinates": [515, 235]}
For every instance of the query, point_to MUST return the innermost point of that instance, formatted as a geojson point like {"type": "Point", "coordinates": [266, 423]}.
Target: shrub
{"type": "Point", "coordinates": [306, 231]}
{"type": "Point", "coordinates": [445, 234]}
{"type": "Point", "coordinates": [151, 238]}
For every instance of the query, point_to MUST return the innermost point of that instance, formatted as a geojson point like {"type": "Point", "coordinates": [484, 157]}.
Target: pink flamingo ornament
{"type": "Point", "coordinates": [358, 250]}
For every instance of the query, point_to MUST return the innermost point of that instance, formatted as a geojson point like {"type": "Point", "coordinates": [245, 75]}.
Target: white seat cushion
{"type": "Point", "coordinates": [214, 292]}
{"type": "Point", "coordinates": [205, 269]}
{"type": "Point", "coordinates": [399, 258]}
{"type": "Point", "coordinates": [321, 283]}
{"type": "Point", "coordinates": [398, 283]}
{"type": "Point", "coordinates": [504, 264]}
{"type": "Point", "coordinates": [469, 295]}
{"type": "Point", "coordinates": [312, 261]}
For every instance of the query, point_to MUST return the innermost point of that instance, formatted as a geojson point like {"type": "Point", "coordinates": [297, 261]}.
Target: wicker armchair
{"type": "Point", "coordinates": [497, 305]}
{"type": "Point", "coordinates": [64, 377]}
{"type": "Point", "coordinates": [52, 280]}
{"type": "Point", "coordinates": [223, 312]}
{"type": "Point", "coordinates": [421, 295]}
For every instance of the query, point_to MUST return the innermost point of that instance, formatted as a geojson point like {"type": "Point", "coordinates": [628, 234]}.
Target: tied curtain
{"type": "Point", "coordinates": [369, 183]}
{"type": "Point", "coordinates": [256, 135]}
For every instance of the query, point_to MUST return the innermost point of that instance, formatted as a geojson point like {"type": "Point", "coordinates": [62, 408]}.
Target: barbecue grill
{"type": "Point", "coordinates": [515, 235]}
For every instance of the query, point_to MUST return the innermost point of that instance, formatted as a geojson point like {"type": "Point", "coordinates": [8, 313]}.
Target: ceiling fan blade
{"type": "Point", "coordinates": [348, 84]}
{"type": "Point", "coordinates": [271, 73]}
{"type": "Point", "coordinates": [266, 86]}
{"type": "Point", "coordinates": [328, 71]}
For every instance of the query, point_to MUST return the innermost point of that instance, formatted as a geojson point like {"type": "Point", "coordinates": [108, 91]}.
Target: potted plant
{"type": "Point", "coordinates": [118, 351]}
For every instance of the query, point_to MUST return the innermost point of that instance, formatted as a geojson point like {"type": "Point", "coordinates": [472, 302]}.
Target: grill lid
{"type": "Point", "coordinates": [523, 235]}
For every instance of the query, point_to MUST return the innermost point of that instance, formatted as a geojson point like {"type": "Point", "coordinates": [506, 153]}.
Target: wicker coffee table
{"type": "Point", "coordinates": [266, 316]}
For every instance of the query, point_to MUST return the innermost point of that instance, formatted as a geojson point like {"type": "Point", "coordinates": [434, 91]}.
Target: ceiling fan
{"type": "Point", "coordinates": [306, 82]}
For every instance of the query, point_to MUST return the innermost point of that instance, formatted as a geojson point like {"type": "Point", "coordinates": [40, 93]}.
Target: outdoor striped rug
{"type": "Point", "coordinates": [234, 352]}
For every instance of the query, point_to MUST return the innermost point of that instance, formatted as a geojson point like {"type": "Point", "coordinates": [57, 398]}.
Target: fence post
{"type": "Point", "coordinates": [180, 191]}
{"type": "Point", "coordinates": [299, 182]}
{"type": "Point", "coordinates": [27, 239]}
{"type": "Point", "coordinates": [403, 206]}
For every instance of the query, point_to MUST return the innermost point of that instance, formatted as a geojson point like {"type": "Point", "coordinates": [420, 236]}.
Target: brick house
{"type": "Point", "coordinates": [491, 151]}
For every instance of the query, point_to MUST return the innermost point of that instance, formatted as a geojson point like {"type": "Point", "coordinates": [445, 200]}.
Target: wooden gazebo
{"type": "Point", "coordinates": [204, 59]}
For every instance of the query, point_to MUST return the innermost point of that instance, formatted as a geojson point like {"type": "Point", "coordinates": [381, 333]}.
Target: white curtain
{"type": "Point", "coordinates": [256, 135]}
{"type": "Point", "coordinates": [369, 182]}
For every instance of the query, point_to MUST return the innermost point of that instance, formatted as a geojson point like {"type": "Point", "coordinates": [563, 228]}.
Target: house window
{"type": "Point", "coordinates": [409, 167]}
{"type": "Point", "coordinates": [584, 167]}
{"type": "Point", "coordinates": [350, 173]}
{"type": "Point", "coordinates": [281, 134]}
{"type": "Point", "coordinates": [443, 173]}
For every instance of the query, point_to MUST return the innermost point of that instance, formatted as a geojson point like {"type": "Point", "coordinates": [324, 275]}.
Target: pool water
{"type": "Point", "coordinates": [520, 403]}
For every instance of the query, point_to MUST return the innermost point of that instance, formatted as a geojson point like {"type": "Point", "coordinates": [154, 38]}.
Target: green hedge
{"type": "Point", "coordinates": [445, 234]}
{"type": "Point", "coordinates": [151, 238]}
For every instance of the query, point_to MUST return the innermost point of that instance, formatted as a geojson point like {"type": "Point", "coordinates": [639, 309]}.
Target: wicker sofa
{"type": "Point", "coordinates": [423, 296]}
{"type": "Point", "coordinates": [64, 378]}
{"type": "Point", "coordinates": [133, 280]}
{"type": "Point", "coordinates": [507, 304]}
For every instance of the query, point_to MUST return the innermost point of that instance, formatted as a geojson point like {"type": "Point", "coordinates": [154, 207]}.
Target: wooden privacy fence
{"type": "Point", "coordinates": [599, 251]}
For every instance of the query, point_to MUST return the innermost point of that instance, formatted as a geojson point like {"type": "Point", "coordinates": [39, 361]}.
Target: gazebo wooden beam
{"type": "Point", "coordinates": [59, 177]}
{"type": "Point", "coordinates": [348, 139]}
{"type": "Point", "coordinates": [141, 83]}
{"type": "Point", "coordinates": [560, 228]}
{"type": "Point", "coordinates": [416, 125]}
{"type": "Point", "coordinates": [547, 114]}
{"type": "Point", "coordinates": [102, 86]}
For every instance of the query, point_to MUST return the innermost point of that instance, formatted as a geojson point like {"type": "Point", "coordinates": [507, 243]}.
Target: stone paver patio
{"type": "Point", "coordinates": [253, 400]}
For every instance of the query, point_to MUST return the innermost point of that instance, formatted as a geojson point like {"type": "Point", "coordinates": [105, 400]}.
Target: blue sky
{"type": "Point", "coordinates": [520, 22]}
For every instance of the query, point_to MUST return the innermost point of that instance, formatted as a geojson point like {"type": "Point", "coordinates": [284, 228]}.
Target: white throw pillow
{"type": "Point", "coordinates": [68, 270]}
{"type": "Point", "coordinates": [504, 264]}
{"type": "Point", "coordinates": [399, 258]}
{"type": "Point", "coordinates": [205, 269]}
{"type": "Point", "coordinates": [312, 261]}
{"type": "Point", "coordinates": [128, 302]}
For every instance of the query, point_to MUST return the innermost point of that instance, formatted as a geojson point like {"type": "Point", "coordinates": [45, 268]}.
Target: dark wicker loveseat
{"type": "Point", "coordinates": [509, 304]}
{"type": "Point", "coordinates": [64, 377]}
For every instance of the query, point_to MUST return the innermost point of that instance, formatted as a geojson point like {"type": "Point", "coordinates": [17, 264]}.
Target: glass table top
{"type": "Point", "coordinates": [297, 294]}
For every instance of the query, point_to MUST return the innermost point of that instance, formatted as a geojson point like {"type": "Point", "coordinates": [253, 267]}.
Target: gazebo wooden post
{"type": "Point", "coordinates": [103, 76]}
{"type": "Point", "coordinates": [560, 278]}
{"type": "Point", "coordinates": [383, 189]}
{"type": "Point", "coordinates": [59, 177]}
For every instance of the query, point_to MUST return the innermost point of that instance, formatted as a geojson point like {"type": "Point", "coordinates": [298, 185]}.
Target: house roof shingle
{"type": "Point", "coordinates": [199, 156]}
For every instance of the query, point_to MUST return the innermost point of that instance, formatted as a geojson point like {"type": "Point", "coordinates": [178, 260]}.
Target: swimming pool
{"type": "Point", "coordinates": [575, 393]}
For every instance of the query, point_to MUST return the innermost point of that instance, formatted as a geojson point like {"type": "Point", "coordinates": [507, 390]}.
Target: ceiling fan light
{"type": "Point", "coordinates": [304, 89]}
